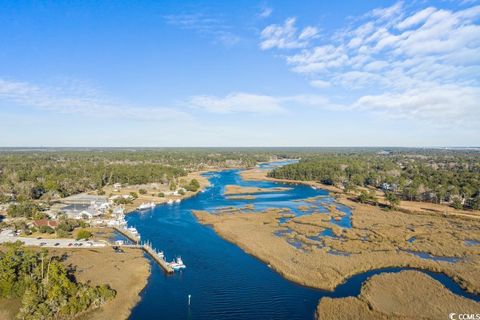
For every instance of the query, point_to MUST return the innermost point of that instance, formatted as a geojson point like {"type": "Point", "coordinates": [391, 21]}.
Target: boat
{"type": "Point", "coordinates": [177, 201]}
{"type": "Point", "coordinates": [170, 201]}
{"type": "Point", "coordinates": [160, 254]}
{"type": "Point", "coordinates": [177, 264]}
{"type": "Point", "coordinates": [146, 205]}
{"type": "Point", "coordinates": [132, 230]}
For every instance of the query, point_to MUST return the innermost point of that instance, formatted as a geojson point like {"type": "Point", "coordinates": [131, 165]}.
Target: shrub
{"type": "Point", "coordinates": [83, 234]}
{"type": "Point", "coordinates": [134, 195]}
{"type": "Point", "coordinates": [46, 229]}
{"type": "Point", "coordinates": [26, 209]}
{"type": "Point", "coordinates": [193, 186]}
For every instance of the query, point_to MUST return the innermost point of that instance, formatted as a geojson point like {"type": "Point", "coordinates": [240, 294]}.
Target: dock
{"type": "Point", "coordinates": [158, 259]}
{"type": "Point", "coordinates": [127, 234]}
{"type": "Point", "coordinates": [153, 254]}
{"type": "Point", "coordinates": [145, 247]}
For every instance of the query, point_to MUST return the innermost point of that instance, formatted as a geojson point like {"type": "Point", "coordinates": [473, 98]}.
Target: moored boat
{"type": "Point", "coordinates": [177, 264]}
{"type": "Point", "coordinates": [146, 205]}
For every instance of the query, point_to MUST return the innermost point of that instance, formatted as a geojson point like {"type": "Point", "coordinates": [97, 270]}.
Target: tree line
{"type": "Point", "coordinates": [452, 177]}
{"type": "Point", "coordinates": [28, 175]}
{"type": "Point", "coordinates": [45, 286]}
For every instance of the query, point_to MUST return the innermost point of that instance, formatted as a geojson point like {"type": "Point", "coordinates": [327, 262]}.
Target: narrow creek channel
{"type": "Point", "coordinates": [224, 282]}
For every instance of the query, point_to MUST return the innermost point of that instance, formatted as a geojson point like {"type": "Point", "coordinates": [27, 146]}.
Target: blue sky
{"type": "Point", "coordinates": [239, 73]}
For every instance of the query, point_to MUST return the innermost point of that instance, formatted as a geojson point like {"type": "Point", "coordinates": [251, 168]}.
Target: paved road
{"type": "Point", "coordinates": [50, 243]}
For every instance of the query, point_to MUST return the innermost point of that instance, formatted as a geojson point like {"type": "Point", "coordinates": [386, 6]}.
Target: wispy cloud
{"type": "Point", "coordinates": [210, 26]}
{"type": "Point", "coordinates": [77, 100]}
{"type": "Point", "coordinates": [286, 36]}
{"type": "Point", "coordinates": [241, 102]}
{"type": "Point", "coordinates": [417, 63]}
{"type": "Point", "coordinates": [266, 12]}
{"type": "Point", "coordinates": [238, 102]}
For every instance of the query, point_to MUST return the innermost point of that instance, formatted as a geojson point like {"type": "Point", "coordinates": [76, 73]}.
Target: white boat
{"type": "Point", "coordinates": [160, 254]}
{"type": "Point", "coordinates": [170, 201]}
{"type": "Point", "coordinates": [177, 264]}
{"type": "Point", "coordinates": [177, 201]}
{"type": "Point", "coordinates": [146, 205]}
{"type": "Point", "coordinates": [132, 230]}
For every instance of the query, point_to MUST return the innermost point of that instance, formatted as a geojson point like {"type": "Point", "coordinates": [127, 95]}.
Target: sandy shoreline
{"type": "Point", "coordinates": [152, 194]}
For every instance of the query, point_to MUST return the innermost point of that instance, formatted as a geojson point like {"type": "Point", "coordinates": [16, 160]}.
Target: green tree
{"type": "Point", "coordinates": [83, 234]}
{"type": "Point", "coordinates": [392, 199]}
{"type": "Point", "coordinates": [457, 203]}
{"type": "Point", "coordinates": [133, 195]}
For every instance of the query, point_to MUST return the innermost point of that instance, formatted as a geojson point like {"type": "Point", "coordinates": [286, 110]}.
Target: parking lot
{"type": "Point", "coordinates": [50, 243]}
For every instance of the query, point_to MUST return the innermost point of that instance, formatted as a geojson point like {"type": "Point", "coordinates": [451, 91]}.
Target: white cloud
{"type": "Point", "coordinates": [266, 12]}
{"type": "Point", "coordinates": [286, 36]}
{"type": "Point", "coordinates": [207, 25]}
{"type": "Point", "coordinates": [416, 18]}
{"type": "Point", "coordinates": [238, 102]}
{"type": "Point", "coordinates": [441, 105]}
{"type": "Point", "coordinates": [389, 13]}
{"type": "Point", "coordinates": [321, 84]}
{"type": "Point", "coordinates": [78, 101]}
{"type": "Point", "coordinates": [404, 58]}
{"type": "Point", "coordinates": [241, 102]}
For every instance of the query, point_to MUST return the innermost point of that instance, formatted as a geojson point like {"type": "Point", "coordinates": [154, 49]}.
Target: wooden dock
{"type": "Point", "coordinates": [127, 234]}
{"type": "Point", "coordinates": [160, 260]}
{"type": "Point", "coordinates": [145, 247]}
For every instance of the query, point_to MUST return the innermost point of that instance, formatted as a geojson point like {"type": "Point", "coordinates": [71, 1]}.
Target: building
{"type": "Point", "coordinates": [84, 199]}
{"type": "Point", "coordinates": [45, 223]}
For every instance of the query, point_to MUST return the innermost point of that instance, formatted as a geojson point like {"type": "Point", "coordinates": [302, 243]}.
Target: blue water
{"type": "Point", "coordinates": [225, 282]}
{"type": "Point", "coordinates": [428, 256]}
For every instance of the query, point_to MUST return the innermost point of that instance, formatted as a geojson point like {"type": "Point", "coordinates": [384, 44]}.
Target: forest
{"type": "Point", "coordinates": [46, 288]}
{"type": "Point", "coordinates": [434, 175]}
{"type": "Point", "coordinates": [49, 174]}
{"type": "Point", "coordinates": [437, 176]}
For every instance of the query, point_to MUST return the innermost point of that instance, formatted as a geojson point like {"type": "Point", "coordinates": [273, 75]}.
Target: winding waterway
{"type": "Point", "coordinates": [224, 282]}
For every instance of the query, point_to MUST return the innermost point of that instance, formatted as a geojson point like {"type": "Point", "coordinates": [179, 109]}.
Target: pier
{"type": "Point", "coordinates": [127, 234]}
{"type": "Point", "coordinates": [157, 258]}
{"type": "Point", "coordinates": [145, 247]}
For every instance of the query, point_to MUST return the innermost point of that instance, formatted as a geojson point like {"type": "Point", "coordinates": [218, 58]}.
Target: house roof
{"type": "Point", "coordinates": [45, 222]}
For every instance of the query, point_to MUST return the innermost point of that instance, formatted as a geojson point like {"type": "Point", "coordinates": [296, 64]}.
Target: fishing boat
{"type": "Point", "coordinates": [177, 264]}
{"type": "Point", "coordinates": [133, 230]}
{"type": "Point", "coordinates": [146, 205]}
